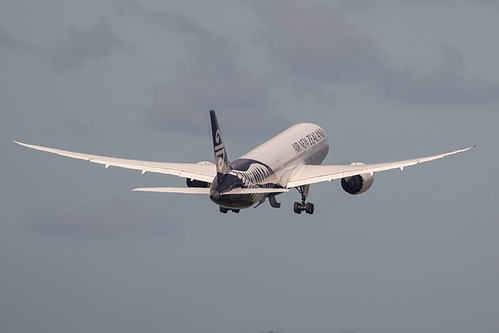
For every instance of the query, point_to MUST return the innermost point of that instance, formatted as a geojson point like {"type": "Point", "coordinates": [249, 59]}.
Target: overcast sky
{"type": "Point", "coordinates": [387, 80]}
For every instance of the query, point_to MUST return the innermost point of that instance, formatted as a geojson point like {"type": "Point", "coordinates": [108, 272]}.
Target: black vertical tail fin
{"type": "Point", "coordinates": [221, 158]}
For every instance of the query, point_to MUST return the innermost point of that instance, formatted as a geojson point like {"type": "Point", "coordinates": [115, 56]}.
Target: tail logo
{"type": "Point", "coordinates": [220, 152]}
{"type": "Point", "coordinates": [219, 144]}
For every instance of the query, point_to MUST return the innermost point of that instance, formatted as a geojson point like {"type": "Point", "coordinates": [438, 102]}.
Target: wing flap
{"type": "Point", "coordinates": [204, 171]}
{"type": "Point", "coordinates": [310, 174]}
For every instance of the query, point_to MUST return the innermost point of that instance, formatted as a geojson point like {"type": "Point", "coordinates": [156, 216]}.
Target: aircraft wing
{"type": "Point", "coordinates": [204, 171]}
{"type": "Point", "coordinates": [310, 174]}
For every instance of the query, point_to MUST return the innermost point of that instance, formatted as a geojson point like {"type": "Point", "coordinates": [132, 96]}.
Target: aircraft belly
{"type": "Point", "coordinates": [238, 201]}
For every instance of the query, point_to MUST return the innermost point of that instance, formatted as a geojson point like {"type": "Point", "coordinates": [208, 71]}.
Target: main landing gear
{"type": "Point", "coordinates": [303, 206]}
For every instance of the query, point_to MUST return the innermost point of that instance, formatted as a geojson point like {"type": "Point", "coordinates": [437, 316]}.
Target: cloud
{"type": "Point", "coordinates": [117, 217]}
{"type": "Point", "coordinates": [369, 4]}
{"type": "Point", "coordinates": [239, 95]}
{"type": "Point", "coordinates": [448, 84]}
{"type": "Point", "coordinates": [7, 42]}
{"type": "Point", "coordinates": [447, 2]}
{"type": "Point", "coordinates": [83, 46]}
{"type": "Point", "coordinates": [314, 42]}
{"type": "Point", "coordinates": [357, 4]}
{"type": "Point", "coordinates": [214, 80]}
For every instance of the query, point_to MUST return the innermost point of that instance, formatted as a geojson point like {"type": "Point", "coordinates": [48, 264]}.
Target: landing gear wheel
{"type": "Point", "coordinates": [309, 208]}
{"type": "Point", "coordinates": [224, 210]}
{"type": "Point", "coordinates": [297, 208]}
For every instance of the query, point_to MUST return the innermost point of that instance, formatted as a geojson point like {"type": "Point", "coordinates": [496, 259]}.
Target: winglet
{"type": "Point", "coordinates": [221, 158]}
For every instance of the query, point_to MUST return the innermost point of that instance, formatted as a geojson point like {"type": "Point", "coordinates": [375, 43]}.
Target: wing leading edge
{"type": "Point", "coordinates": [311, 174]}
{"type": "Point", "coordinates": [204, 171]}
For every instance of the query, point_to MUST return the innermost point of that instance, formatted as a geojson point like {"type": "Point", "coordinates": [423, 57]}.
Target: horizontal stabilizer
{"type": "Point", "coordinates": [203, 190]}
{"type": "Point", "coordinates": [259, 190]}
{"type": "Point", "coordinates": [185, 190]}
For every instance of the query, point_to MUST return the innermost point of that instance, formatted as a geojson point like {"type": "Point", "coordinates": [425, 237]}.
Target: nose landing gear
{"type": "Point", "coordinates": [308, 207]}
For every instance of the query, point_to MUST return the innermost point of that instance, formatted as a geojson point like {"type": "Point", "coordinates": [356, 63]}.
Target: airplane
{"type": "Point", "coordinates": [291, 159]}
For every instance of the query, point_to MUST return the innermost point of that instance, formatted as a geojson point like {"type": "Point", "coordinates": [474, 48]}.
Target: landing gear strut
{"type": "Point", "coordinates": [304, 205]}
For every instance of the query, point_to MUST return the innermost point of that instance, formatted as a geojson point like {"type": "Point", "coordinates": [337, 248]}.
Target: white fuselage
{"type": "Point", "coordinates": [300, 144]}
{"type": "Point", "coordinates": [271, 164]}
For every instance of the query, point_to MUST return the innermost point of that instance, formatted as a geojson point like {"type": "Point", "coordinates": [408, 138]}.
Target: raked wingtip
{"type": "Point", "coordinates": [20, 143]}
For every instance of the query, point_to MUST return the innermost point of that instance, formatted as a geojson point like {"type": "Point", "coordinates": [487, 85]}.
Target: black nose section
{"type": "Point", "coordinates": [214, 195]}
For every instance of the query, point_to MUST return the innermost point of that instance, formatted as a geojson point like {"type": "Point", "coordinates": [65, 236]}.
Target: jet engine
{"type": "Point", "coordinates": [197, 183]}
{"type": "Point", "coordinates": [357, 184]}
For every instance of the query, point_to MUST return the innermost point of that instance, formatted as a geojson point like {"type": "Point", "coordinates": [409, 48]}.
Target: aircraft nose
{"type": "Point", "coordinates": [214, 195]}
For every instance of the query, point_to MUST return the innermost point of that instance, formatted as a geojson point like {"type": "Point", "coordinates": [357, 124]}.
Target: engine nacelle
{"type": "Point", "coordinates": [357, 184]}
{"type": "Point", "coordinates": [197, 183]}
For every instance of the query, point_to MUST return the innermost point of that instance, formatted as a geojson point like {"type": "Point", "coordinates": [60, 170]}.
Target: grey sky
{"type": "Point", "coordinates": [387, 80]}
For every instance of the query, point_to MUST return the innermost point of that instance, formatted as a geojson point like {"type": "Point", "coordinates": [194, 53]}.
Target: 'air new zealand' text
{"type": "Point", "coordinates": [308, 140]}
